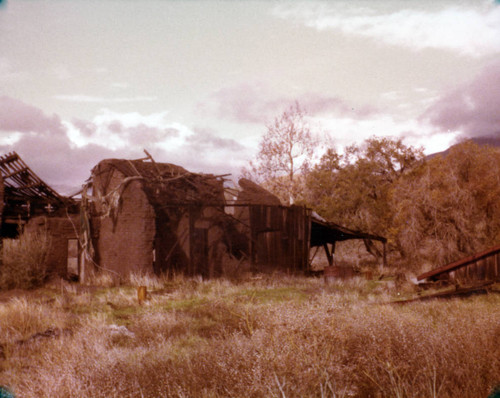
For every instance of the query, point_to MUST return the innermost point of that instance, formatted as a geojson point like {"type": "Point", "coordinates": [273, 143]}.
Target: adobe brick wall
{"type": "Point", "coordinates": [125, 243]}
{"type": "Point", "coordinates": [157, 227]}
{"type": "Point", "coordinates": [60, 229]}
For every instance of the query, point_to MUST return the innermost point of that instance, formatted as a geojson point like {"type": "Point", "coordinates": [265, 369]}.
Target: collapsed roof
{"type": "Point", "coordinates": [323, 232]}
{"type": "Point", "coordinates": [183, 187]}
{"type": "Point", "coordinates": [24, 194]}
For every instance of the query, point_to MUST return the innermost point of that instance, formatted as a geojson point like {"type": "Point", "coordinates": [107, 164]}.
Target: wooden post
{"type": "Point", "coordinates": [329, 254]}
{"type": "Point", "coordinates": [142, 294]}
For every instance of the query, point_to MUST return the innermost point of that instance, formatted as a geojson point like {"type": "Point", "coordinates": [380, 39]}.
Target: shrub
{"type": "Point", "coordinates": [24, 261]}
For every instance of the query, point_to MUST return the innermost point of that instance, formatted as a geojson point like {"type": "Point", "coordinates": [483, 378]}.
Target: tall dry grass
{"type": "Point", "coordinates": [23, 261]}
{"type": "Point", "coordinates": [265, 337]}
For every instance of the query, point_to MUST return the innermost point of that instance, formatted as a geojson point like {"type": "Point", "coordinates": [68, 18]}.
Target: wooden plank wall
{"type": "Point", "coordinates": [483, 269]}
{"type": "Point", "coordinates": [280, 236]}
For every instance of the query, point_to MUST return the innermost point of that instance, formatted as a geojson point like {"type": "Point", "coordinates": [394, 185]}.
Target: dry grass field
{"type": "Point", "coordinates": [266, 336]}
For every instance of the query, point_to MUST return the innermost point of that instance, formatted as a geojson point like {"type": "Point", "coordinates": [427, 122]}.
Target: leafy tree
{"type": "Point", "coordinates": [285, 155]}
{"type": "Point", "coordinates": [448, 207]}
{"type": "Point", "coordinates": [354, 188]}
{"type": "Point", "coordinates": [431, 210]}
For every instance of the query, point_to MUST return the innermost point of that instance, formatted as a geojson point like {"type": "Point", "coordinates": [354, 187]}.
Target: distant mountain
{"type": "Point", "coordinates": [493, 141]}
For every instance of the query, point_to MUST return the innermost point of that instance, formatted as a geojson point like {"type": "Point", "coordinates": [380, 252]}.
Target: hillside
{"type": "Point", "coordinates": [486, 140]}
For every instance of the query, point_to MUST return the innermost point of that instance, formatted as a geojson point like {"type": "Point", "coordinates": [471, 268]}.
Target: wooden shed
{"type": "Point", "coordinates": [483, 266]}
{"type": "Point", "coordinates": [276, 236]}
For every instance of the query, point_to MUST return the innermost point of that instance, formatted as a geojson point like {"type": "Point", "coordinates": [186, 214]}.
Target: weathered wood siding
{"type": "Point", "coordinates": [485, 269]}
{"type": "Point", "coordinates": [482, 266]}
{"type": "Point", "coordinates": [280, 236]}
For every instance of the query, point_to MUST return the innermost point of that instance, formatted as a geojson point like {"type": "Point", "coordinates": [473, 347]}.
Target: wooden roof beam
{"type": "Point", "coordinates": [24, 169]}
{"type": "Point", "coordinates": [10, 157]}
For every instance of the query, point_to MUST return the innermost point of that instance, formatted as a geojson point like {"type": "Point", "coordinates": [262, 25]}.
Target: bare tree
{"type": "Point", "coordinates": [285, 155]}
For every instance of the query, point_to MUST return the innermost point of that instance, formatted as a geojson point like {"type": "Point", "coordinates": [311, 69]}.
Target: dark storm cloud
{"type": "Point", "coordinates": [63, 153]}
{"type": "Point", "coordinates": [473, 108]}
{"type": "Point", "coordinates": [59, 164]}
{"type": "Point", "coordinates": [17, 116]}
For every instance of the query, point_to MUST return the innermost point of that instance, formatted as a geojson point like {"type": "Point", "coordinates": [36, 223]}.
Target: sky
{"type": "Point", "coordinates": [195, 83]}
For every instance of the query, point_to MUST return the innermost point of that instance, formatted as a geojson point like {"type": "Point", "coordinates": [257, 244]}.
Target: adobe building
{"type": "Point", "coordinates": [155, 217]}
{"type": "Point", "coordinates": [28, 204]}
{"type": "Point", "coordinates": [140, 216]}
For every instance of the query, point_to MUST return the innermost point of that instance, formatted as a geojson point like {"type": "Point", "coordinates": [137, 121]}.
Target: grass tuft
{"type": "Point", "coordinates": [23, 261]}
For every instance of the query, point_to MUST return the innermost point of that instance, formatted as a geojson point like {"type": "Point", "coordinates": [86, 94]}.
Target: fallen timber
{"type": "Point", "coordinates": [457, 291]}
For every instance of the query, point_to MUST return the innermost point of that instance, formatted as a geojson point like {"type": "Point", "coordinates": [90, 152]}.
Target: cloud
{"type": "Point", "coordinates": [91, 99]}
{"type": "Point", "coordinates": [115, 134]}
{"type": "Point", "coordinates": [245, 103]}
{"type": "Point", "coordinates": [254, 103]}
{"type": "Point", "coordinates": [62, 153]}
{"type": "Point", "coordinates": [419, 134]}
{"type": "Point", "coordinates": [121, 130]}
{"type": "Point", "coordinates": [200, 149]}
{"type": "Point", "coordinates": [317, 104]}
{"type": "Point", "coordinates": [56, 162]}
{"type": "Point", "coordinates": [205, 139]}
{"type": "Point", "coordinates": [117, 131]}
{"type": "Point", "coordinates": [472, 109]}
{"type": "Point", "coordinates": [17, 116]}
{"type": "Point", "coordinates": [466, 30]}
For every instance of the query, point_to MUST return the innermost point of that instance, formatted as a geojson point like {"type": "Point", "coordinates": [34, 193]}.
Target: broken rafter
{"type": "Point", "coordinates": [25, 169]}
{"type": "Point", "coordinates": [30, 186]}
{"type": "Point", "coordinates": [134, 168]}
{"type": "Point", "coordinates": [153, 161]}
{"type": "Point", "coordinates": [21, 182]}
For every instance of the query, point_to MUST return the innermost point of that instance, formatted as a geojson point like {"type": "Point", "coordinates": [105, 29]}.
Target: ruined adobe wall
{"type": "Point", "coordinates": [1, 198]}
{"type": "Point", "coordinates": [59, 229]}
{"type": "Point", "coordinates": [126, 234]}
